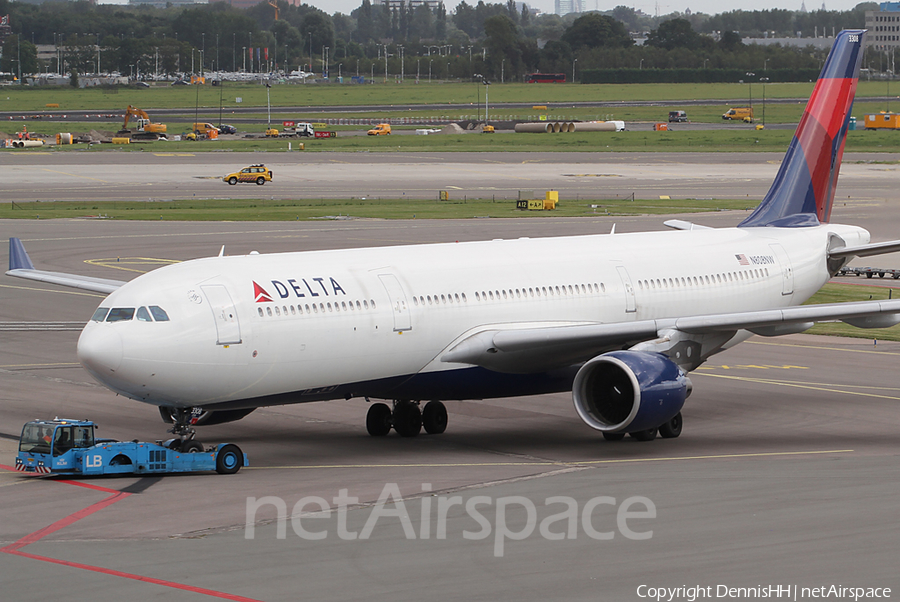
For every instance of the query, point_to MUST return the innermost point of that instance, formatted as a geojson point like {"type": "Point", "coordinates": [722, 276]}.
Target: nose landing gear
{"type": "Point", "coordinates": [182, 421]}
{"type": "Point", "coordinates": [406, 418]}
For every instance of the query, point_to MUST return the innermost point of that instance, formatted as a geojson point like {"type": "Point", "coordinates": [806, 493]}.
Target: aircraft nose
{"type": "Point", "coordinates": [100, 350]}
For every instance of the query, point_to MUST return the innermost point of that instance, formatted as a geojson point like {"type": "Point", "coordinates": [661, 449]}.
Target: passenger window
{"type": "Point", "coordinates": [464, 298]}
{"type": "Point", "coordinates": [269, 311]}
{"type": "Point", "coordinates": [100, 314]}
{"type": "Point", "coordinates": [260, 311]}
{"type": "Point", "coordinates": [477, 296]}
{"type": "Point", "coordinates": [277, 313]}
{"type": "Point", "coordinates": [293, 311]}
{"type": "Point", "coordinates": [159, 314]}
{"type": "Point", "coordinates": [120, 314]}
{"type": "Point", "coordinates": [143, 315]}
{"type": "Point", "coordinates": [373, 303]}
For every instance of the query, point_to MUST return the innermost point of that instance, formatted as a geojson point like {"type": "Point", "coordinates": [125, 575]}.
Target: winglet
{"type": "Point", "coordinates": [18, 257]}
{"type": "Point", "coordinates": [803, 191]}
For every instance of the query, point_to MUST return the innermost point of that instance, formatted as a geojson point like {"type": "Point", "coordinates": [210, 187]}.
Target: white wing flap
{"type": "Point", "coordinates": [519, 350]}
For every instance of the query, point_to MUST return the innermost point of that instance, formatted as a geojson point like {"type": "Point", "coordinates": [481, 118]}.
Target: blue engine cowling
{"type": "Point", "coordinates": [628, 391]}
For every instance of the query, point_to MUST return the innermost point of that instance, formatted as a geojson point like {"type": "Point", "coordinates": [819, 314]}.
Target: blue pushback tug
{"type": "Point", "coordinates": [63, 446]}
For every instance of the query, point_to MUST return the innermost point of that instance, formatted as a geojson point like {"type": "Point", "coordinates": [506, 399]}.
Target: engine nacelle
{"type": "Point", "coordinates": [628, 391]}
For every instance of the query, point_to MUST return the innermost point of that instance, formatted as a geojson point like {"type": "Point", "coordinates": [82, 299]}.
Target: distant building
{"type": "Point", "coordinates": [564, 7]}
{"type": "Point", "coordinates": [164, 3]}
{"type": "Point", "coordinates": [399, 4]}
{"type": "Point", "coordinates": [884, 27]}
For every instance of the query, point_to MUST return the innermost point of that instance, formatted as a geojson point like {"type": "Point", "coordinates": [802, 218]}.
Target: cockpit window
{"type": "Point", "coordinates": [143, 315]}
{"type": "Point", "coordinates": [159, 314]}
{"type": "Point", "coordinates": [120, 314]}
{"type": "Point", "coordinates": [100, 314]}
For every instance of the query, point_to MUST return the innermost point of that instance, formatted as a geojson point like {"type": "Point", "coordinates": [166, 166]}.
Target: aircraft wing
{"type": "Point", "coordinates": [20, 266]}
{"type": "Point", "coordinates": [520, 349]}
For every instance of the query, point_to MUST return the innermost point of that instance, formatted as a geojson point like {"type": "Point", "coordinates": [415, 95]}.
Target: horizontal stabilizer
{"type": "Point", "coordinates": [680, 224]}
{"type": "Point", "coordinates": [875, 248]}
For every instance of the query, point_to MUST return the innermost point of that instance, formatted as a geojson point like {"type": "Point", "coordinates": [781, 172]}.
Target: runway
{"type": "Point", "coordinates": [786, 473]}
{"type": "Point", "coordinates": [157, 175]}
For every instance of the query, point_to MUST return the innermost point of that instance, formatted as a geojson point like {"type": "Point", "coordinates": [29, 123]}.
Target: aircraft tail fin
{"type": "Point", "coordinates": [18, 257]}
{"type": "Point", "coordinates": [803, 191]}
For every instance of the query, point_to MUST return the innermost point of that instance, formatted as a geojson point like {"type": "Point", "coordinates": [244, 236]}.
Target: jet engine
{"type": "Point", "coordinates": [206, 417]}
{"type": "Point", "coordinates": [629, 391]}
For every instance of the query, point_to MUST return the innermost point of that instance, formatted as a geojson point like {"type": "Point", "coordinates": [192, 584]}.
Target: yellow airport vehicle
{"type": "Point", "coordinates": [255, 173]}
{"type": "Point", "coordinates": [382, 129]}
{"type": "Point", "coordinates": [744, 114]}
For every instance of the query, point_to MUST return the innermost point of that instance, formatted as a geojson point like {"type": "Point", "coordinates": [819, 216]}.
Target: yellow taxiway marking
{"type": "Point", "coordinates": [75, 175]}
{"type": "Point", "coordinates": [57, 364]}
{"type": "Point", "coordinates": [50, 290]}
{"type": "Point", "coordinates": [827, 388]}
{"type": "Point", "coordinates": [824, 348]}
{"type": "Point", "coordinates": [121, 263]}
{"type": "Point", "coordinates": [561, 463]}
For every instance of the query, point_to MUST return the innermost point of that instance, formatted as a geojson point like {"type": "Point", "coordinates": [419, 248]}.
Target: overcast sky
{"type": "Point", "coordinates": [665, 6]}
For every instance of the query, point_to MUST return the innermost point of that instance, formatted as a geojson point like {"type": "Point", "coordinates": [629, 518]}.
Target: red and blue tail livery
{"type": "Point", "coordinates": [803, 191]}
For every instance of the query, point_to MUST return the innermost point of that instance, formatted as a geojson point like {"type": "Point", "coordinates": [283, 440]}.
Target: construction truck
{"type": "Point", "coordinates": [146, 130]}
{"type": "Point", "coordinates": [68, 447]}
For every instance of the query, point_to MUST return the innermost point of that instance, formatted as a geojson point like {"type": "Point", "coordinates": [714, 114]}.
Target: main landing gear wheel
{"type": "Point", "coordinates": [378, 420]}
{"type": "Point", "coordinates": [613, 436]}
{"type": "Point", "coordinates": [407, 419]}
{"type": "Point", "coordinates": [672, 428]}
{"type": "Point", "coordinates": [229, 459]}
{"type": "Point", "coordinates": [645, 435]}
{"type": "Point", "coordinates": [434, 417]}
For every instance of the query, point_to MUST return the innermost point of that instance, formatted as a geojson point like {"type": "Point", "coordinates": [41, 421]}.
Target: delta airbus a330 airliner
{"type": "Point", "coordinates": [620, 323]}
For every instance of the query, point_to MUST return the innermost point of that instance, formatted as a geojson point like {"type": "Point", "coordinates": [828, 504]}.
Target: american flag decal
{"type": "Point", "coordinates": [742, 259]}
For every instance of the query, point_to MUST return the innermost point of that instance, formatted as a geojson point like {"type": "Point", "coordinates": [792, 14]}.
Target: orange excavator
{"type": "Point", "coordinates": [146, 130]}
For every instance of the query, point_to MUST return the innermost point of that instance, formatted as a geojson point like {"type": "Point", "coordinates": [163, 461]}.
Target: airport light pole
{"type": "Point", "coordinates": [750, 84]}
{"type": "Point", "coordinates": [764, 80]}
{"type": "Point", "coordinates": [573, 69]}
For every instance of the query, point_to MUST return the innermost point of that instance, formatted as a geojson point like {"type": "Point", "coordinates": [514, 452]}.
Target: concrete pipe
{"type": "Point", "coordinates": [27, 143]}
{"type": "Point", "coordinates": [595, 126]}
{"type": "Point", "coordinates": [534, 128]}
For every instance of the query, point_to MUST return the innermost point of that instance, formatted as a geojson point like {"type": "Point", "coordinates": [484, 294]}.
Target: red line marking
{"type": "Point", "coordinates": [153, 580]}
{"type": "Point", "coordinates": [87, 485]}
{"type": "Point", "coordinates": [65, 522]}
{"type": "Point", "coordinates": [15, 548]}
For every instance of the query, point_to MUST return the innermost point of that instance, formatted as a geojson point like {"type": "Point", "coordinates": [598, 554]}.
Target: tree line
{"type": "Point", "coordinates": [491, 39]}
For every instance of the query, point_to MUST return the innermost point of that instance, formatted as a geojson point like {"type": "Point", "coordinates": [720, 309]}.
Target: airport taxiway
{"type": "Point", "coordinates": [157, 175]}
{"type": "Point", "coordinates": [786, 473]}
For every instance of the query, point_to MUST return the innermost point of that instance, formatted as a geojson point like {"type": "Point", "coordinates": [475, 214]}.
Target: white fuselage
{"type": "Point", "coordinates": [292, 327]}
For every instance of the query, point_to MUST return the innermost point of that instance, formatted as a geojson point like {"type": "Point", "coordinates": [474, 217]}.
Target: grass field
{"type": "Point", "coordinates": [26, 98]}
{"type": "Point", "coordinates": [264, 210]}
